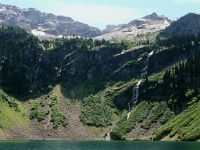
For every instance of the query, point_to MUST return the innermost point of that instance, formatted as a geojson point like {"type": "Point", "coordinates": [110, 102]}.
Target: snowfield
{"type": "Point", "coordinates": [38, 33]}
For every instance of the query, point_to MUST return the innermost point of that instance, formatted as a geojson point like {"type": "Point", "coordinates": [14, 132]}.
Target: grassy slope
{"type": "Point", "coordinates": [10, 118]}
{"type": "Point", "coordinates": [184, 127]}
{"type": "Point", "coordinates": [11, 112]}
{"type": "Point", "coordinates": [146, 114]}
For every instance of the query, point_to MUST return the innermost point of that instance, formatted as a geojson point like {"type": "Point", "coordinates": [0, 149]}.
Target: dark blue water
{"type": "Point", "coordinates": [97, 145]}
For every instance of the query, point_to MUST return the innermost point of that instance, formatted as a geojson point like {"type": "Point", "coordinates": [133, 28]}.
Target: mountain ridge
{"type": "Point", "coordinates": [188, 24]}
{"type": "Point", "coordinates": [48, 24]}
{"type": "Point", "coordinates": [141, 29]}
{"type": "Point", "coordinates": [45, 23]}
{"type": "Point", "coordinates": [137, 22]}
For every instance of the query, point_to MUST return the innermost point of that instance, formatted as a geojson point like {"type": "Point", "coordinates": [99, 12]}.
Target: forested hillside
{"type": "Point", "coordinates": [80, 88]}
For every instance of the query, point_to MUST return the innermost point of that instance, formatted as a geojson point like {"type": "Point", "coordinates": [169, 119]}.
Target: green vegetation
{"type": "Point", "coordinates": [182, 78]}
{"type": "Point", "coordinates": [185, 126]}
{"type": "Point", "coordinates": [125, 126]}
{"type": "Point", "coordinates": [12, 102]}
{"type": "Point", "coordinates": [19, 52]}
{"type": "Point", "coordinates": [56, 116]}
{"type": "Point", "coordinates": [80, 44]}
{"type": "Point", "coordinates": [160, 113]}
{"type": "Point", "coordinates": [100, 109]}
{"type": "Point", "coordinates": [36, 113]}
{"type": "Point", "coordinates": [152, 112]}
{"type": "Point", "coordinates": [27, 68]}
{"type": "Point", "coordinates": [84, 89]}
{"type": "Point", "coordinates": [10, 118]}
{"type": "Point", "coordinates": [157, 86]}
{"type": "Point", "coordinates": [96, 111]}
{"type": "Point", "coordinates": [11, 112]}
{"type": "Point", "coordinates": [101, 77]}
{"type": "Point", "coordinates": [48, 105]}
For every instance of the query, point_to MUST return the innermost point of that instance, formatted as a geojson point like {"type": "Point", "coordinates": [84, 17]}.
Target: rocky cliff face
{"type": "Point", "coordinates": [44, 23]}
{"type": "Point", "coordinates": [152, 19]}
{"type": "Point", "coordinates": [47, 24]}
{"type": "Point", "coordinates": [25, 64]}
{"type": "Point", "coordinates": [112, 28]}
{"type": "Point", "coordinates": [137, 28]}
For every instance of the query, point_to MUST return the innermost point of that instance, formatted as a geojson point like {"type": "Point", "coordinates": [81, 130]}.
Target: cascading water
{"type": "Point", "coordinates": [135, 94]}
{"type": "Point", "coordinates": [144, 70]}
{"type": "Point", "coordinates": [38, 64]}
{"type": "Point", "coordinates": [37, 70]}
{"type": "Point", "coordinates": [135, 91]}
{"type": "Point", "coordinates": [108, 136]}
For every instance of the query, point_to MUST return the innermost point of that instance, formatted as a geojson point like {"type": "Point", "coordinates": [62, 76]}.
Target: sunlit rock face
{"type": "Point", "coordinates": [140, 27]}
{"type": "Point", "coordinates": [50, 24]}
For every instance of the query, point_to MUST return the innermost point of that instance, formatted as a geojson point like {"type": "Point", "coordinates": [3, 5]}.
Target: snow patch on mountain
{"type": "Point", "coordinates": [50, 24]}
{"type": "Point", "coordinates": [38, 32]}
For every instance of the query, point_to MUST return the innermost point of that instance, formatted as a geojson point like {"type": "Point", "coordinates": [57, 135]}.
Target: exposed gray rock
{"type": "Point", "coordinates": [49, 24]}
{"type": "Point", "coordinates": [150, 20]}
{"type": "Point", "coordinates": [136, 30]}
{"type": "Point", "coordinates": [112, 28]}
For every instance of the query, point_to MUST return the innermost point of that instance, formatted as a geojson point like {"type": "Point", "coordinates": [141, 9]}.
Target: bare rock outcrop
{"type": "Point", "coordinates": [44, 23]}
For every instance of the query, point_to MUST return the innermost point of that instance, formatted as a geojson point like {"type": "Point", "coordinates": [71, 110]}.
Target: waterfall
{"type": "Point", "coordinates": [144, 70]}
{"type": "Point", "coordinates": [40, 59]}
{"type": "Point", "coordinates": [35, 77]}
{"type": "Point", "coordinates": [135, 94]}
{"type": "Point", "coordinates": [135, 90]}
{"type": "Point", "coordinates": [108, 136]}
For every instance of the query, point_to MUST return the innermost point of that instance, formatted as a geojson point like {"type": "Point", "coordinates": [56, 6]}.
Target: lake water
{"type": "Point", "coordinates": [97, 145]}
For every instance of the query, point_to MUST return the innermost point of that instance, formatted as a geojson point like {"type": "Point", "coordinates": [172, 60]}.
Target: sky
{"type": "Point", "coordinates": [99, 13]}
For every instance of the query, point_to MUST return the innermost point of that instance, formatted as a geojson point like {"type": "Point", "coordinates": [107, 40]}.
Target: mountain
{"type": "Point", "coordinates": [112, 28]}
{"type": "Point", "coordinates": [47, 25]}
{"type": "Point", "coordinates": [79, 88]}
{"type": "Point", "coordinates": [136, 29]}
{"type": "Point", "coordinates": [44, 23]}
{"type": "Point", "coordinates": [186, 25]}
{"type": "Point", "coordinates": [152, 19]}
